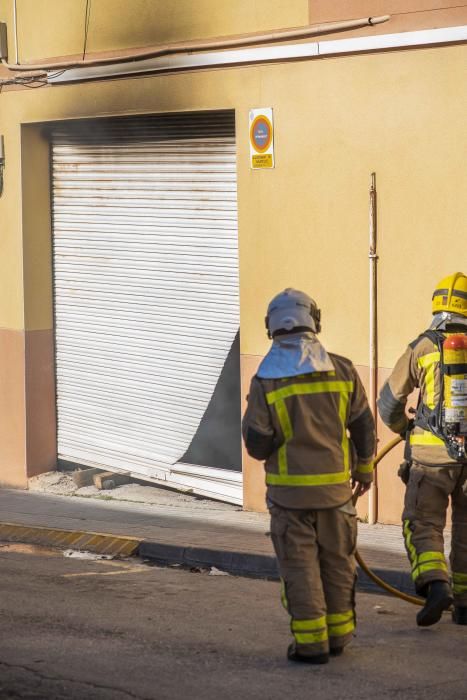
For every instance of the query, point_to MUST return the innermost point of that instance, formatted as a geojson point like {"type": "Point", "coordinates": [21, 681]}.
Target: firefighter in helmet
{"type": "Point", "coordinates": [308, 419]}
{"type": "Point", "coordinates": [435, 466]}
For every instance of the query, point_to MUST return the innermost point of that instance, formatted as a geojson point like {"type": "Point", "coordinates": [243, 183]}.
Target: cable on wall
{"type": "Point", "coordinates": [87, 18]}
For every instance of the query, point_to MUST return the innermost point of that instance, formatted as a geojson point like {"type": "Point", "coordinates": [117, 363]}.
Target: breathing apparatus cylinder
{"type": "Point", "coordinates": [454, 412]}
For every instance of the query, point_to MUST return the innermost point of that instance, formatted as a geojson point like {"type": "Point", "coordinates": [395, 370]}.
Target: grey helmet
{"type": "Point", "coordinates": [292, 309]}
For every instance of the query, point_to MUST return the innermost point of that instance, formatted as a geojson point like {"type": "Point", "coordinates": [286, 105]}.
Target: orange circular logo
{"type": "Point", "coordinates": [261, 133]}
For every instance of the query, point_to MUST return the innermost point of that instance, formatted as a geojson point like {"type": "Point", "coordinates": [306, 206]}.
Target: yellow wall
{"type": "Point", "coordinates": [406, 15]}
{"type": "Point", "coordinates": [305, 223]}
{"type": "Point", "coordinates": [401, 114]}
{"type": "Point", "coordinates": [51, 28]}
{"type": "Point", "coordinates": [11, 257]}
{"type": "Point", "coordinates": [37, 239]}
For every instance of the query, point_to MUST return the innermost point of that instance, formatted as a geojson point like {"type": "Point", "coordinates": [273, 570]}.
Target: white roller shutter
{"type": "Point", "coordinates": [146, 290]}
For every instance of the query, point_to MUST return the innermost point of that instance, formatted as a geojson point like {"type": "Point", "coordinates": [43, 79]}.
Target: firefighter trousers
{"type": "Point", "coordinates": [424, 519]}
{"type": "Point", "coordinates": [315, 552]}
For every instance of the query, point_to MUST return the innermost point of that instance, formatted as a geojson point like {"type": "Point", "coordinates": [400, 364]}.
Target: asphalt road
{"type": "Point", "coordinates": [80, 629]}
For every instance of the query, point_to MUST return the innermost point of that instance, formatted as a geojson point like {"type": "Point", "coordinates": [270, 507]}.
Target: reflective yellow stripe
{"type": "Point", "coordinates": [428, 362]}
{"type": "Point", "coordinates": [277, 398]}
{"type": "Point", "coordinates": [460, 583]}
{"type": "Point", "coordinates": [284, 419]}
{"type": "Point", "coordinates": [365, 468]}
{"type": "Point", "coordinates": [309, 388]}
{"type": "Point", "coordinates": [284, 600]}
{"type": "Point", "coordinates": [282, 460]}
{"type": "Point", "coordinates": [339, 618]}
{"type": "Point", "coordinates": [425, 438]}
{"type": "Point", "coordinates": [287, 431]}
{"type": "Point", "coordinates": [306, 479]}
{"type": "Point", "coordinates": [431, 556]}
{"type": "Point", "coordinates": [408, 543]}
{"type": "Point", "coordinates": [311, 637]}
{"type": "Point", "coordinates": [428, 561]}
{"type": "Point", "coordinates": [424, 562]}
{"type": "Point", "coordinates": [309, 625]}
{"type": "Point", "coordinates": [343, 402]}
{"type": "Point", "coordinates": [340, 624]}
{"type": "Point", "coordinates": [430, 386]}
{"type": "Point", "coordinates": [424, 568]}
{"type": "Point", "coordinates": [341, 630]}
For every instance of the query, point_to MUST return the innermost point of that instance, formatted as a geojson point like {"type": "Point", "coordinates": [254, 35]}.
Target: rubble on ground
{"type": "Point", "coordinates": [55, 483]}
{"type": "Point", "coordinates": [67, 483]}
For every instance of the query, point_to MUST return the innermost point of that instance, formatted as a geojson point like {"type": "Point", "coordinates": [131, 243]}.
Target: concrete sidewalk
{"type": "Point", "coordinates": [180, 529]}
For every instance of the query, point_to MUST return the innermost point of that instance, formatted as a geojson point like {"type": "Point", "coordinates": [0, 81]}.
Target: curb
{"type": "Point", "coordinates": [259, 566]}
{"type": "Point", "coordinates": [236, 563]}
{"type": "Point", "coordinates": [255, 565]}
{"type": "Point", "coordinates": [397, 579]}
{"type": "Point", "coordinates": [96, 542]}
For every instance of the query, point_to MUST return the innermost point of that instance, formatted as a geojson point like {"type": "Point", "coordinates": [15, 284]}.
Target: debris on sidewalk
{"type": "Point", "coordinates": [84, 477]}
{"type": "Point", "coordinates": [109, 480]}
{"type": "Point", "coordinates": [209, 570]}
{"type": "Point", "coordinates": [55, 483]}
{"type": "Point", "coordinates": [72, 483]}
{"type": "Point", "coordinates": [77, 554]}
{"type": "Point", "coordinates": [383, 610]}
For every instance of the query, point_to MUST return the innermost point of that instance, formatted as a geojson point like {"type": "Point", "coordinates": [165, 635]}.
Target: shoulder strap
{"type": "Point", "coordinates": [430, 418]}
{"type": "Point", "coordinates": [436, 337]}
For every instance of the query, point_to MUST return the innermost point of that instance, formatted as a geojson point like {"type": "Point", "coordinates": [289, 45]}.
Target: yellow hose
{"type": "Point", "coordinates": [379, 581]}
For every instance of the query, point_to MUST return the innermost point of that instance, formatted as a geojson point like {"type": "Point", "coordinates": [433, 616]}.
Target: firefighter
{"type": "Point", "coordinates": [436, 462]}
{"type": "Point", "coordinates": [308, 418]}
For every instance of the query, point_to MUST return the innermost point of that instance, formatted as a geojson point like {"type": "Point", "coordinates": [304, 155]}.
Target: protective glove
{"type": "Point", "coordinates": [408, 429]}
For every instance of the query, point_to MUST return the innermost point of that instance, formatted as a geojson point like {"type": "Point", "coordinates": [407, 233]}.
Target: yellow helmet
{"type": "Point", "coordinates": [451, 295]}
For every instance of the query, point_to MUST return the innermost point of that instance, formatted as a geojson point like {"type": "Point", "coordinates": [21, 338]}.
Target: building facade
{"type": "Point", "coordinates": [140, 247]}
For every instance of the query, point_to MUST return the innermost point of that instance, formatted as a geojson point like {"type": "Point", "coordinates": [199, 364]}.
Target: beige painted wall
{"type": "Point", "coordinates": [406, 15]}
{"type": "Point", "coordinates": [11, 258]}
{"type": "Point", "coordinates": [37, 242]}
{"type": "Point", "coordinates": [49, 28]}
{"type": "Point", "coordinates": [305, 223]}
{"type": "Point", "coordinates": [56, 27]}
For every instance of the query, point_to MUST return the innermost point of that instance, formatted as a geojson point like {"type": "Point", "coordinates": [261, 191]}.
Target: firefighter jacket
{"type": "Point", "coordinates": [315, 431]}
{"type": "Point", "coordinates": [419, 367]}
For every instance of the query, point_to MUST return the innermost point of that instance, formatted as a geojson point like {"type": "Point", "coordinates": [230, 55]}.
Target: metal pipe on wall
{"type": "Point", "coordinates": [15, 27]}
{"type": "Point", "coordinates": [373, 333]}
{"type": "Point", "coordinates": [195, 46]}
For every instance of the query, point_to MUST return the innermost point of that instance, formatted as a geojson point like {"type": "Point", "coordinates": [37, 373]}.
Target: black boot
{"type": "Point", "coordinates": [459, 615]}
{"type": "Point", "coordinates": [293, 655]}
{"type": "Point", "coordinates": [336, 651]}
{"type": "Point", "coordinates": [439, 598]}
